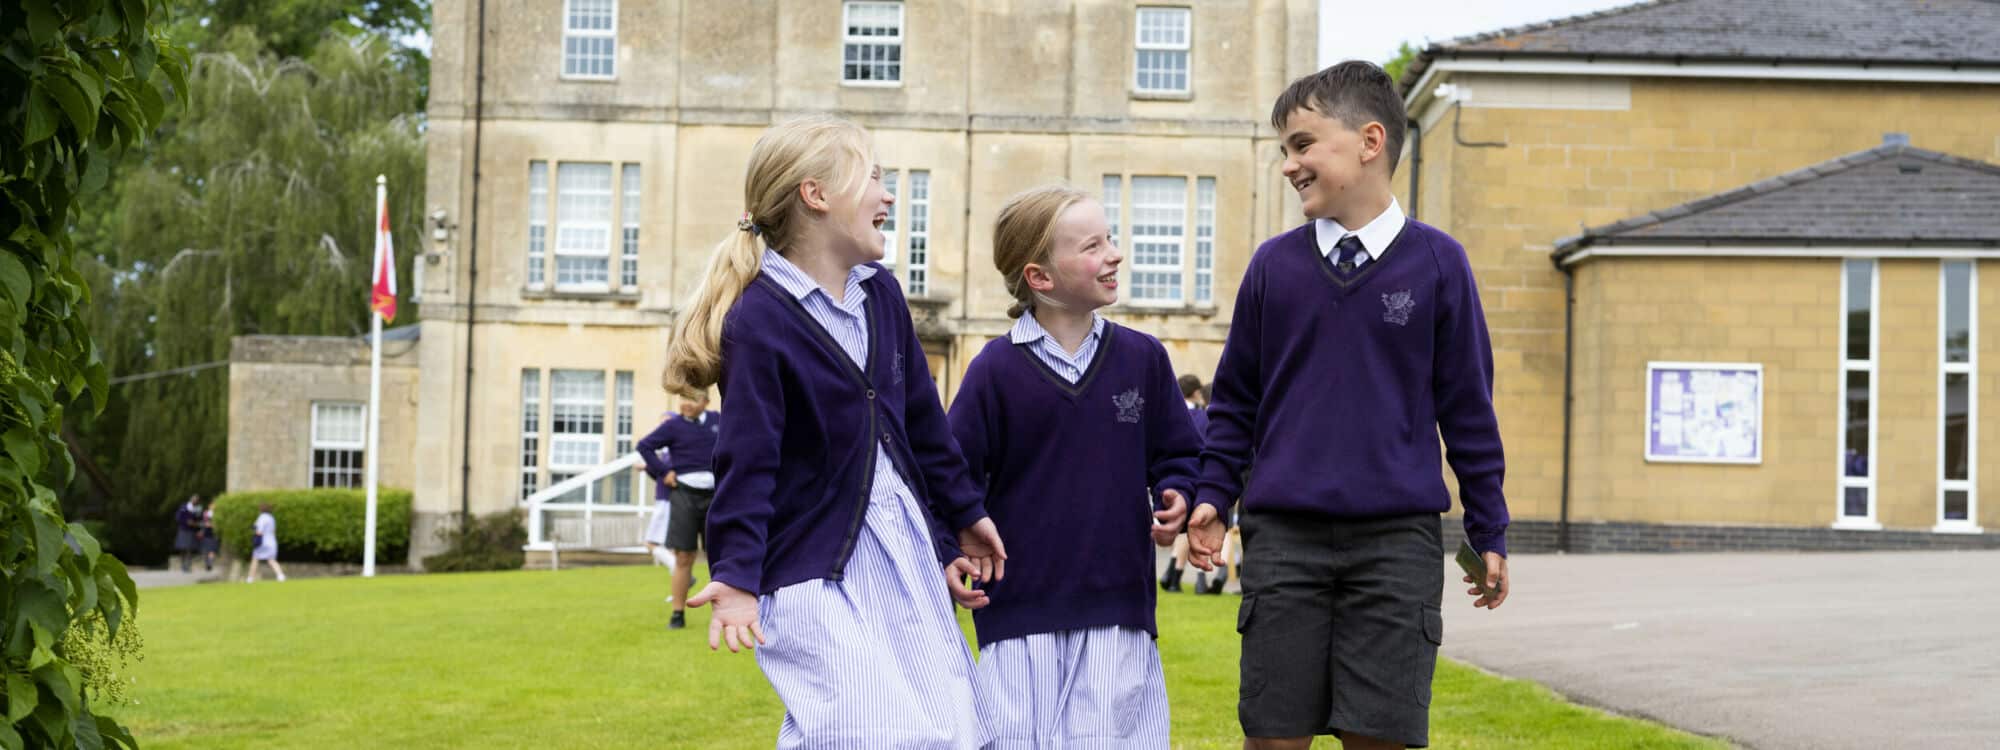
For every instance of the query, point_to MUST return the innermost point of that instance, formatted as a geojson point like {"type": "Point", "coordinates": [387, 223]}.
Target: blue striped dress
{"type": "Point", "coordinates": [1073, 689]}
{"type": "Point", "coordinates": [875, 660]}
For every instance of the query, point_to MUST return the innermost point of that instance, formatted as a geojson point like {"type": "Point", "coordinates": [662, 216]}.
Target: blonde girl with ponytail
{"type": "Point", "coordinates": [845, 523]}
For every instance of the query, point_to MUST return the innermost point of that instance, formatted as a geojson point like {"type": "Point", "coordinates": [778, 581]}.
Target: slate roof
{"type": "Point", "coordinates": [1888, 195]}
{"type": "Point", "coordinates": [1903, 32]}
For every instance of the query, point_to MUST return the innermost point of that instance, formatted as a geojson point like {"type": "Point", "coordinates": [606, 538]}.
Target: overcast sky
{"type": "Point", "coordinates": [1372, 29]}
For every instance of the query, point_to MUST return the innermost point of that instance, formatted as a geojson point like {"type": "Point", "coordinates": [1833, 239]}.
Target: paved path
{"type": "Point", "coordinates": [1845, 650]}
{"type": "Point", "coordinates": [153, 578]}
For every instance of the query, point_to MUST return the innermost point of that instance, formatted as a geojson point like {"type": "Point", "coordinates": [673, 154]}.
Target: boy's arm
{"type": "Point", "coordinates": [649, 451]}
{"type": "Point", "coordinates": [746, 461]}
{"type": "Point", "coordinates": [1238, 390]}
{"type": "Point", "coordinates": [1462, 389]}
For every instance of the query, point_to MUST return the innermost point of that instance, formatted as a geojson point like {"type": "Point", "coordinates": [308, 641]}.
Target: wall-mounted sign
{"type": "Point", "coordinates": [1705, 412]}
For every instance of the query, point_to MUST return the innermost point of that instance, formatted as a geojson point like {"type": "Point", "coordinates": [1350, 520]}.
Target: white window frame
{"type": "Point", "coordinates": [884, 42]}
{"type": "Point", "coordinates": [1179, 240]}
{"type": "Point", "coordinates": [557, 401]}
{"type": "Point", "coordinates": [600, 251]}
{"type": "Point", "coordinates": [538, 219]}
{"type": "Point", "coordinates": [631, 197]}
{"type": "Point", "coordinates": [357, 474]}
{"type": "Point", "coordinates": [1204, 242]}
{"type": "Point", "coordinates": [891, 237]}
{"type": "Point", "coordinates": [1970, 369]}
{"type": "Point", "coordinates": [531, 433]}
{"type": "Point", "coordinates": [917, 238]}
{"type": "Point", "coordinates": [574, 33]}
{"type": "Point", "coordinates": [622, 484]}
{"type": "Point", "coordinates": [1869, 522]}
{"type": "Point", "coordinates": [1141, 45]}
{"type": "Point", "coordinates": [1113, 192]}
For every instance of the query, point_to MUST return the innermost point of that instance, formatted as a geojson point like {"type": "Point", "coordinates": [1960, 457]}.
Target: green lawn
{"type": "Point", "coordinates": [579, 658]}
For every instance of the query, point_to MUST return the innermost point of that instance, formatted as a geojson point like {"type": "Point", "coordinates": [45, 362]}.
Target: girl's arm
{"type": "Point", "coordinates": [746, 461]}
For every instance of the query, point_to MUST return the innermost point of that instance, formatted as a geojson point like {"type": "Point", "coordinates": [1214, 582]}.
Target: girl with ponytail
{"type": "Point", "coordinates": [844, 521]}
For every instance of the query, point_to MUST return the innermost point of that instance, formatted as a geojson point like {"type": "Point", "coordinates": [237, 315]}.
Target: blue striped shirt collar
{"type": "Point", "coordinates": [800, 286]}
{"type": "Point", "coordinates": [1027, 329]}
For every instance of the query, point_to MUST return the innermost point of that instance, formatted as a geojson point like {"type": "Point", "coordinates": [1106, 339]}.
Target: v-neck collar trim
{"type": "Point", "coordinates": [1360, 277]}
{"type": "Point", "coordinates": [1082, 384]}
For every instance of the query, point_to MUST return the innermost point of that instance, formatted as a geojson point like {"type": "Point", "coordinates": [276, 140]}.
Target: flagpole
{"type": "Point", "coordinates": [374, 455]}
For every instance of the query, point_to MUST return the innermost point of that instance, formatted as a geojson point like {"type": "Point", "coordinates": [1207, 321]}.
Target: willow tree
{"type": "Point", "coordinates": [252, 214]}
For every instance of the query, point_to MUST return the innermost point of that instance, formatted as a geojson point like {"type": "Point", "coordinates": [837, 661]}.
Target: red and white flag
{"type": "Point", "coordinates": [383, 299]}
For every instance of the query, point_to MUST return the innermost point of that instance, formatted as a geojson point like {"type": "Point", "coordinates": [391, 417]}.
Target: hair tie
{"type": "Point", "coordinates": [745, 224]}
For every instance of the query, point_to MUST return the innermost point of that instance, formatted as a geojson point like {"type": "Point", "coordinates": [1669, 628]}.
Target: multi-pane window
{"type": "Point", "coordinates": [1958, 400]}
{"type": "Point", "coordinates": [576, 431]}
{"type": "Point", "coordinates": [628, 216]}
{"type": "Point", "coordinates": [907, 242]}
{"type": "Point", "coordinates": [590, 39]}
{"type": "Point", "coordinates": [583, 226]}
{"type": "Point", "coordinates": [919, 200]}
{"type": "Point", "coordinates": [1161, 57]}
{"type": "Point", "coordinates": [621, 485]}
{"type": "Point", "coordinates": [1858, 334]}
{"type": "Point", "coordinates": [531, 431]}
{"type": "Point", "coordinates": [872, 53]}
{"type": "Point", "coordinates": [1204, 240]}
{"type": "Point", "coordinates": [890, 241]}
{"type": "Point", "coordinates": [1113, 186]}
{"type": "Point", "coordinates": [538, 223]}
{"type": "Point", "coordinates": [339, 432]}
{"type": "Point", "coordinates": [1159, 234]}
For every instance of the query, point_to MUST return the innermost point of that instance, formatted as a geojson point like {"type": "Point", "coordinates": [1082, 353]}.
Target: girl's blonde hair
{"type": "Point", "coordinates": [1025, 233]}
{"type": "Point", "coordinates": [834, 152]}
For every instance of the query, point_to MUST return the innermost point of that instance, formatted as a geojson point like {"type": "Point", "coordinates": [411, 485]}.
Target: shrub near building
{"type": "Point", "coordinates": [322, 525]}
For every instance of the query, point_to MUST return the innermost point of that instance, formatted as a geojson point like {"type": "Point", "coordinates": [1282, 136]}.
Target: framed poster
{"type": "Point", "coordinates": [1705, 412]}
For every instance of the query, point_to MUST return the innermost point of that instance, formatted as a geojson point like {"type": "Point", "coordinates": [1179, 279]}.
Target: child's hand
{"type": "Point", "coordinates": [1205, 535]}
{"type": "Point", "coordinates": [981, 544]}
{"type": "Point", "coordinates": [1496, 582]}
{"type": "Point", "coordinates": [954, 579]}
{"type": "Point", "coordinates": [1167, 523]}
{"type": "Point", "coordinates": [735, 617]}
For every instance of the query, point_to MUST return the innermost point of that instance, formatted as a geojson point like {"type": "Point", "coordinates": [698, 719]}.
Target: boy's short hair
{"type": "Point", "coordinates": [1190, 385]}
{"type": "Point", "coordinates": [1354, 92]}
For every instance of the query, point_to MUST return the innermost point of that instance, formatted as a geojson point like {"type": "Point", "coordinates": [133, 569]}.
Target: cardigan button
{"type": "Point", "coordinates": [871, 393]}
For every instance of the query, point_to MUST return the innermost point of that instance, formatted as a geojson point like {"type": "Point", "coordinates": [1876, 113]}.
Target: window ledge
{"type": "Point", "coordinates": [1203, 309]}
{"type": "Point", "coordinates": [587, 79]}
{"type": "Point", "coordinates": [871, 84]}
{"type": "Point", "coordinates": [1856, 525]}
{"type": "Point", "coordinates": [1956, 527]}
{"type": "Point", "coordinates": [1163, 96]}
{"type": "Point", "coordinates": [545, 293]}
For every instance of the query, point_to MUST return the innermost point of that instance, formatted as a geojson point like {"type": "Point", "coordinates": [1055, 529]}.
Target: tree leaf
{"type": "Point", "coordinates": [24, 449]}
{"type": "Point", "coordinates": [109, 728]}
{"type": "Point", "coordinates": [10, 739]}
{"type": "Point", "coordinates": [48, 545]}
{"type": "Point", "coordinates": [91, 550]}
{"type": "Point", "coordinates": [41, 606]}
{"type": "Point", "coordinates": [43, 114]}
{"type": "Point", "coordinates": [74, 102]}
{"type": "Point", "coordinates": [42, 19]}
{"type": "Point", "coordinates": [112, 566]}
{"type": "Point", "coordinates": [84, 726]}
{"type": "Point", "coordinates": [57, 677]}
{"type": "Point", "coordinates": [20, 697]}
{"type": "Point", "coordinates": [16, 281]}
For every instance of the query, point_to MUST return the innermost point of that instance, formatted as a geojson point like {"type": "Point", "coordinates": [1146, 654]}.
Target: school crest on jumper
{"type": "Point", "coordinates": [896, 368]}
{"type": "Point", "coordinates": [1397, 307]}
{"type": "Point", "coordinates": [1128, 404]}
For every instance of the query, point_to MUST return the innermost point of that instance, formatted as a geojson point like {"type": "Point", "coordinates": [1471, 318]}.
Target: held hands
{"type": "Point", "coordinates": [1205, 537]}
{"type": "Point", "coordinates": [735, 617]}
{"type": "Point", "coordinates": [985, 559]}
{"type": "Point", "coordinates": [1496, 582]}
{"type": "Point", "coordinates": [1167, 523]}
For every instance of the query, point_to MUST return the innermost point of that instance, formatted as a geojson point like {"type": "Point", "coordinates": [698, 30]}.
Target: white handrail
{"type": "Point", "coordinates": [547, 499]}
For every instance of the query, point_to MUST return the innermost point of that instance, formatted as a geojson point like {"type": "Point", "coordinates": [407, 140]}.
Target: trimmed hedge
{"type": "Point", "coordinates": [322, 525]}
{"type": "Point", "coordinates": [491, 543]}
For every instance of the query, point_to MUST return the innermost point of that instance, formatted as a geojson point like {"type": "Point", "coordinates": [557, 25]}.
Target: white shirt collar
{"type": "Point", "coordinates": [795, 280]}
{"type": "Point", "coordinates": [1027, 329]}
{"type": "Point", "coordinates": [1375, 235]}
